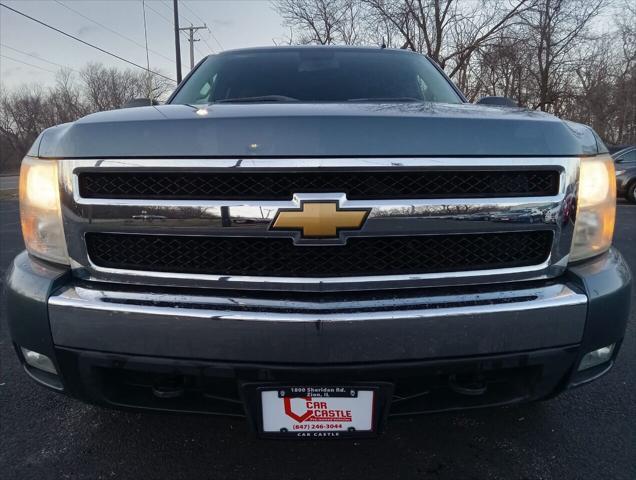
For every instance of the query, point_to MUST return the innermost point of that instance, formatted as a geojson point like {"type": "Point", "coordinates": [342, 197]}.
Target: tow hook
{"type": "Point", "coordinates": [468, 385]}
{"type": "Point", "coordinates": [168, 388]}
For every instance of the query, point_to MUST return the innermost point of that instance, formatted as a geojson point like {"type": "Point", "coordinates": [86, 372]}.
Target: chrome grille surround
{"type": "Point", "coordinates": [387, 217]}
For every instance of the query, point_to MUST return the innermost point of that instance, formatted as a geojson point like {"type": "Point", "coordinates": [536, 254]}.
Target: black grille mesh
{"type": "Point", "coordinates": [281, 185]}
{"type": "Point", "coordinates": [279, 257]}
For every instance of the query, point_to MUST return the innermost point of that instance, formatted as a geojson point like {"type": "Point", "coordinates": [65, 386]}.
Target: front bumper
{"type": "Point", "coordinates": [114, 344]}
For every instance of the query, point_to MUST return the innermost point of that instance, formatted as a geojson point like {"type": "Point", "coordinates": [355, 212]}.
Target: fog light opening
{"type": "Point", "coordinates": [38, 360]}
{"type": "Point", "coordinates": [597, 357]}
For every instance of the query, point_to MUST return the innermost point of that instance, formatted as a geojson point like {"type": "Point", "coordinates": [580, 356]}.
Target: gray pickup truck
{"type": "Point", "coordinates": [317, 239]}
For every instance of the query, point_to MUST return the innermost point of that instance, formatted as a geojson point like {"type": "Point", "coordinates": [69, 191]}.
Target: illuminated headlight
{"type": "Point", "coordinates": [40, 212]}
{"type": "Point", "coordinates": [597, 357]}
{"type": "Point", "coordinates": [38, 360]}
{"type": "Point", "coordinates": [596, 207]}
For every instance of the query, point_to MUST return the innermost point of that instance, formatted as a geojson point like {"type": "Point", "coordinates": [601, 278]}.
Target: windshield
{"type": "Point", "coordinates": [316, 75]}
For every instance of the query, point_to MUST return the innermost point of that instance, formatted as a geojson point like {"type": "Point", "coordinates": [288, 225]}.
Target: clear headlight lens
{"type": "Point", "coordinates": [40, 212]}
{"type": "Point", "coordinates": [596, 207]}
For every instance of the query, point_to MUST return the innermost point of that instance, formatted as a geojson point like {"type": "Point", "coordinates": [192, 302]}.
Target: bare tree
{"type": "Point", "coordinates": [322, 22]}
{"type": "Point", "coordinates": [24, 113]}
{"type": "Point", "coordinates": [625, 84]}
{"type": "Point", "coordinates": [66, 97]}
{"type": "Point", "coordinates": [28, 110]}
{"type": "Point", "coordinates": [350, 27]}
{"type": "Point", "coordinates": [448, 31]}
{"type": "Point", "coordinates": [556, 29]}
{"type": "Point", "coordinates": [109, 88]}
{"type": "Point", "coordinates": [500, 69]}
{"type": "Point", "coordinates": [542, 53]}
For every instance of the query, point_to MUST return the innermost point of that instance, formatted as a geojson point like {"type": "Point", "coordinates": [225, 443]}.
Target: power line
{"type": "Point", "coordinates": [165, 18]}
{"type": "Point", "coordinates": [207, 45]}
{"type": "Point", "coordinates": [160, 14]}
{"type": "Point", "coordinates": [37, 57]}
{"type": "Point", "coordinates": [143, 7]}
{"type": "Point", "coordinates": [26, 63]}
{"type": "Point", "coordinates": [119, 34]}
{"type": "Point", "coordinates": [168, 6]}
{"type": "Point", "coordinates": [199, 51]}
{"type": "Point", "coordinates": [188, 39]}
{"type": "Point", "coordinates": [192, 23]}
{"type": "Point", "coordinates": [216, 40]}
{"type": "Point", "coordinates": [192, 11]}
{"type": "Point", "coordinates": [181, 31]}
{"type": "Point", "coordinates": [84, 42]}
{"type": "Point", "coordinates": [191, 31]}
{"type": "Point", "coordinates": [170, 22]}
{"type": "Point", "coordinates": [210, 31]}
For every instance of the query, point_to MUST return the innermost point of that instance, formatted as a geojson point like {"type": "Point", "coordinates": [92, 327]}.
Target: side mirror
{"type": "Point", "coordinates": [139, 102]}
{"type": "Point", "coordinates": [499, 101]}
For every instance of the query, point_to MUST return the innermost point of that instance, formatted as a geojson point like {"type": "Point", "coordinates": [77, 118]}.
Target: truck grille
{"type": "Point", "coordinates": [281, 185]}
{"type": "Point", "coordinates": [207, 222]}
{"type": "Point", "coordinates": [279, 257]}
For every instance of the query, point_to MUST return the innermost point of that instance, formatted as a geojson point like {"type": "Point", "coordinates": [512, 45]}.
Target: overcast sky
{"type": "Point", "coordinates": [234, 24]}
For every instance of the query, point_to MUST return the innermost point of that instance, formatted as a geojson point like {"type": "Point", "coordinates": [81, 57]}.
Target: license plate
{"type": "Point", "coordinates": [304, 411]}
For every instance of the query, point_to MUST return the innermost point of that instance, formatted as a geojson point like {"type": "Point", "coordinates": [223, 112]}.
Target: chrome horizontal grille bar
{"type": "Point", "coordinates": [282, 185]}
{"type": "Point", "coordinates": [251, 218]}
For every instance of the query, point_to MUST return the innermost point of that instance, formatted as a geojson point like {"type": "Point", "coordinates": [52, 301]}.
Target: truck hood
{"type": "Point", "coordinates": [316, 130]}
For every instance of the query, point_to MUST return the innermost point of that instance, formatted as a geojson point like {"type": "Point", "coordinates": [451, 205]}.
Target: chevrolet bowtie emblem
{"type": "Point", "coordinates": [319, 219]}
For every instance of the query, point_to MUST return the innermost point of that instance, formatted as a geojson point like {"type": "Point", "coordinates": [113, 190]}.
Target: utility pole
{"type": "Point", "coordinates": [177, 45]}
{"type": "Point", "coordinates": [191, 39]}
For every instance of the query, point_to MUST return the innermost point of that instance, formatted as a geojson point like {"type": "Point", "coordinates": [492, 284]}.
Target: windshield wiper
{"type": "Point", "coordinates": [262, 98]}
{"type": "Point", "coordinates": [386, 99]}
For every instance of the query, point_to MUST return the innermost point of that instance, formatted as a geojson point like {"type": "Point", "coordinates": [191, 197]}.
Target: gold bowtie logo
{"type": "Point", "coordinates": [319, 219]}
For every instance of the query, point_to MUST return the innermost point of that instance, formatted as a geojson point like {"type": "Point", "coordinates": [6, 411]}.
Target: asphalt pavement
{"type": "Point", "coordinates": [586, 433]}
{"type": "Point", "coordinates": [8, 182]}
